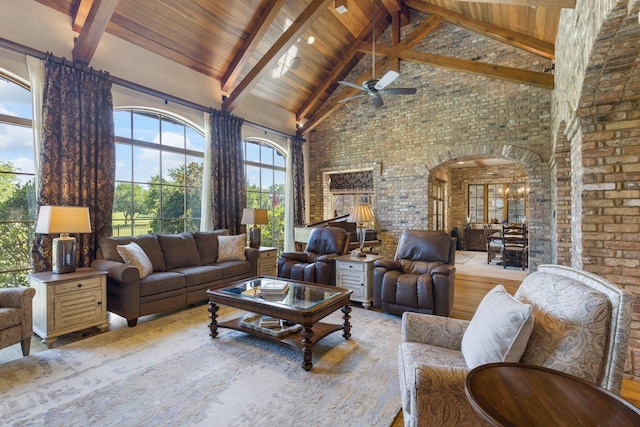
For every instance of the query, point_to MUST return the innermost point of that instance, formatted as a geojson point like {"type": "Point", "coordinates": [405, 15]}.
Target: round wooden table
{"type": "Point", "coordinates": [516, 394]}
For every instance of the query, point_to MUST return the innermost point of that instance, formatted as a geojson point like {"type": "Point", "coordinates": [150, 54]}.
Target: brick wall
{"type": "Point", "coordinates": [454, 116]}
{"type": "Point", "coordinates": [596, 109]}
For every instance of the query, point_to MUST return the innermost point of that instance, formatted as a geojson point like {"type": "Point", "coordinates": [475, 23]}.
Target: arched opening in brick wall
{"type": "Point", "coordinates": [606, 150]}
{"type": "Point", "coordinates": [537, 175]}
{"type": "Point", "coordinates": [560, 165]}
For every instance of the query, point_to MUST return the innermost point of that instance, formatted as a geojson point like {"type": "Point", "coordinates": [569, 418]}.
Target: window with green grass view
{"type": "Point", "coordinates": [265, 168]}
{"type": "Point", "coordinates": [159, 163]}
{"type": "Point", "coordinates": [17, 183]}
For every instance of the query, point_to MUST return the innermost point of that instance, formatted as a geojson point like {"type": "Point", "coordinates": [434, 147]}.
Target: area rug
{"type": "Point", "coordinates": [169, 372]}
{"type": "Point", "coordinates": [461, 258]}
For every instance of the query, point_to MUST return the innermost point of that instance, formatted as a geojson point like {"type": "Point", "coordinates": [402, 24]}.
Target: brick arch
{"type": "Point", "coordinates": [539, 212]}
{"type": "Point", "coordinates": [605, 150]}
{"type": "Point", "coordinates": [561, 190]}
{"type": "Point", "coordinates": [605, 155]}
{"type": "Point", "coordinates": [443, 155]}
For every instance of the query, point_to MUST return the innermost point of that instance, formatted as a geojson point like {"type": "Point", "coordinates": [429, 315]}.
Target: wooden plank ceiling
{"type": "Point", "coordinates": [263, 47]}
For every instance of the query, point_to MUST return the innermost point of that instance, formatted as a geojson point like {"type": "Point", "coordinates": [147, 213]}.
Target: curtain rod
{"type": "Point", "coordinates": [19, 48]}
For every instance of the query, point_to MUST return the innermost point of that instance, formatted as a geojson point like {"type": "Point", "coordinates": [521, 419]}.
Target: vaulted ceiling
{"type": "Point", "coordinates": [263, 47]}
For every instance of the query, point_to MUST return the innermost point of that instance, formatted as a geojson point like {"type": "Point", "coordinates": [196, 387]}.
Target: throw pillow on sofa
{"type": "Point", "coordinates": [499, 330]}
{"type": "Point", "coordinates": [133, 254]}
{"type": "Point", "coordinates": [231, 248]}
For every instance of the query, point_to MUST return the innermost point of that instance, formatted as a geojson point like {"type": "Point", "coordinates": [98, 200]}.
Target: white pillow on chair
{"type": "Point", "coordinates": [499, 330]}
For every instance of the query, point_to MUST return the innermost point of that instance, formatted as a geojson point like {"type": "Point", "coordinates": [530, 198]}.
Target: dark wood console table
{"type": "Point", "coordinates": [516, 394]}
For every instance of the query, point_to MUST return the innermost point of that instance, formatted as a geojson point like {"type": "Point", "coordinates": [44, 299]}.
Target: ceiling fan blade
{"type": "Point", "coordinates": [351, 97]}
{"type": "Point", "coordinates": [353, 85]}
{"type": "Point", "coordinates": [377, 100]}
{"type": "Point", "coordinates": [399, 91]}
{"type": "Point", "coordinates": [387, 79]}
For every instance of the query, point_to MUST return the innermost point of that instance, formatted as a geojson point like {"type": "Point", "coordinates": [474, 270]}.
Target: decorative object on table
{"type": "Point", "coordinates": [361, 213]}
{"type": "Point", "coordinates": [468, 222]}
{"type": "Point", "coordinates": [254, 217]}
{"type": "Point", "coordinates": [273, 288]}
{"type": "Point", "coordinates": [63, 220]}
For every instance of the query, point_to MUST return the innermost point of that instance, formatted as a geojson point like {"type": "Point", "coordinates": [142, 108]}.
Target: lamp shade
{"type": "Point", "coordinates": [361, 213]}
{"type": "Point", "coordinates": [63, 219]}
{"type": "Point", "coordinates": [254, 216]}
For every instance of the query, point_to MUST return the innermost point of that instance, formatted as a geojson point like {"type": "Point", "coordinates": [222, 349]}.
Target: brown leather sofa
{"type": "Point", "coordinates": [184, 267]}
{"type": "Point", "coordinates": [421, 276]}
{"type": "Point", "coordinates": [317, 263]}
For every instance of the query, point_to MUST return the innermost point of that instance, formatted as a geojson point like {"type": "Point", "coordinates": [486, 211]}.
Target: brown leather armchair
{"type": "Point", "coordinates": [317, 263]}
{"type": "Point", "coordinates": [16, 317]}
{"type": "Point", "coordinates": [421, 276]}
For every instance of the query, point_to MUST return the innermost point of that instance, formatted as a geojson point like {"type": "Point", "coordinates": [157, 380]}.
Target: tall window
{"type": "Point", "coordinates": [265, 168]}
{"type": "Point", "coordinates": [17, 183]}
{"type": "Point", "coordinates": [159, 163]}
{"type": "Point", "coordinates": [438, 205]}
{"type": "Point", "coordinates": [497, 202]}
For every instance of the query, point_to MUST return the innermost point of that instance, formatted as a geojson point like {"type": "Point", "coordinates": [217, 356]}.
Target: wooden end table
{"type": "Point", "coordinates": [517, 394]}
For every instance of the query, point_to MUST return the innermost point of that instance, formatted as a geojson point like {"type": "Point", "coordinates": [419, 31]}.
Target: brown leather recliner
{"type": "Point", "coordinates": [317, 263]}
{"type": "Point", "coordinates": [421, 276]}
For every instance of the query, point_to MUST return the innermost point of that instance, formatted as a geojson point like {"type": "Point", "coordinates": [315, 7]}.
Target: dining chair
{"type": "Point", "coordinates": [494, 243]}
{"type": "Point", "coordinates": [515, 250]}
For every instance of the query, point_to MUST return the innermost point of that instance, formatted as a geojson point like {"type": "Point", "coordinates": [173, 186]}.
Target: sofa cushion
{"type": "Point", "coordinates": [134, 255]}
{"type": "Point", "coordinates": [207, 242]}
{"type": "Point", "coordinates": [179, 250]}
{"type": "Point", "coordinates": [158, 283]}
{"type": "Point", "coordinates": [499, 330]}
{"type": "Point", "coordinates": [148, 243]}
{"type": "Point", "coordinates": [231, 248]}
{"type": "Point", "coordinates": [234, 268]}
{"type": "Point", "coordinates": [201, 274]}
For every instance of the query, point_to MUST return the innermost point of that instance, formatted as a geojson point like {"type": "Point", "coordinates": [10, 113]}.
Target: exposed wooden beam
{"type": "Point", "coordinates": [395, 38]}
{"type": "Point", "coordinates": [93, 29]}
{"type": "Point", "coordinates": [262, 24]}
{"type": "Point", "coordinates": [520, 41]}
{"type": "Point", "coordinates": [515, 75]}
{"type": "Point", "coordinates": [339, 68]}
{"type": "Point", "coordinates": [81, 14]}
{"type": "Point", "coordinates": [290, 36]}
{"type": "Point", "coordinates": [565, 4]}
{"type": "Point", "coordinates": [409, 41]}
{"type": "Point", "coordinates": [394, 6]}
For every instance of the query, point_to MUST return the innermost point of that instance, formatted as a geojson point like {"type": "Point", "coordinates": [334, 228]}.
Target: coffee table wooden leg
{"type": "Point", "coordinates": [307, 343]}
{"type": "Point", "coordinates": [213, 315]}
{"type": "Point", "coordinates": [346, 326]}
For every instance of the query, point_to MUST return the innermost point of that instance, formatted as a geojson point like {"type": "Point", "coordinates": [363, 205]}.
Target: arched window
{"type": "Point", "coordinates": [17, 182]}
{"type": "Point", "coordinates": [265, 168]}
{"type": "Point", "coordinates": [159, 163]}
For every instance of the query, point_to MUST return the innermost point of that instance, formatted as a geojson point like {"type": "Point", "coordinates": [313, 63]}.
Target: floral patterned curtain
{"type": "Point", "coordinates": [77, 157]}
{"type": "Point", "coordinates": [298, 181]}
{"type": "Point", "coordinates": [227, 165]}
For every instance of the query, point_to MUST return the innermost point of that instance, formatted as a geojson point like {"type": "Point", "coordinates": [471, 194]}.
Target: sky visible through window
{"type": "Point", "coordinates": [16, 142]}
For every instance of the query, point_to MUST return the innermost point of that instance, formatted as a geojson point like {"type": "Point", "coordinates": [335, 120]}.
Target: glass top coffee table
{"type": "Point", "coordinates": [300, 306]}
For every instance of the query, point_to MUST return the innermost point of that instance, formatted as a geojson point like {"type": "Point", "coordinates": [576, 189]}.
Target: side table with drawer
{"type": "Point", "coordinates": [68, 302]}
{"type": "Point", "coordinates": [356, 273]}
{"type": "Point", "coordinates": [268, 261]}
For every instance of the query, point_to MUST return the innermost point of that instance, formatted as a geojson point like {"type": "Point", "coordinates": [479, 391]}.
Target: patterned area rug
{"type": "Point", "coordinates": [169, 372]}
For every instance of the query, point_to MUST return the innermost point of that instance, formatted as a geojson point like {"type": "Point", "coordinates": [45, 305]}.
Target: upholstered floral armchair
{"type": "Point", "coordinates": [560, 318]}
{"type": "Point", "coordinates": [16, 318]}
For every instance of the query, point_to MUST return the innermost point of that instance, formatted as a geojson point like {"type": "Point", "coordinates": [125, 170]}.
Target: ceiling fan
{"type": "Point", "coordinates": [374, 88]}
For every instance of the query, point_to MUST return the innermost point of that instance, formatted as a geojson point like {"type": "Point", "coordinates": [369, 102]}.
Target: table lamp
{"type": "Point", "coordinates": [361, 214]}
{"type": "Point", "coordinates": [255, 217]}
{"type": "Point", "coordinates": [63, 220]}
